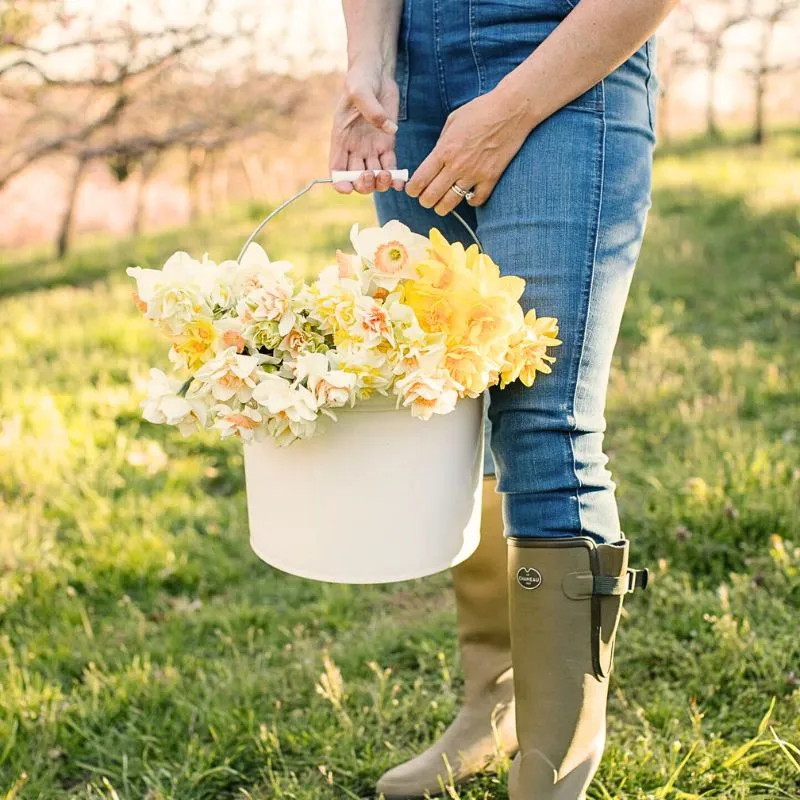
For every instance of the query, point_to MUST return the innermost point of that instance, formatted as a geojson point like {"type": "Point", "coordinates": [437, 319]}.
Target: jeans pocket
{"type": "Point", "coordinates": [592, 99]}
{"type": "Point", "coordinates": [401, 73]}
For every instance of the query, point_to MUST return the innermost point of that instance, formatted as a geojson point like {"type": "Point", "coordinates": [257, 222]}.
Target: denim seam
{"type": "Point", "coordinates": [473, 38]}
{"type": "Point", "coordinates": [648, 83]}
{"type": "Point", "coordinates": [402, 50]}
{"type": "Point", "coordinates": [438, 56]}
{"type": "Point", "coordinates": [599, 164]}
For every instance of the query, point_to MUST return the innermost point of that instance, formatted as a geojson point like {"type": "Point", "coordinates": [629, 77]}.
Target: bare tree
{"type": "Point", "coordinates": [66, 109]}
{"type": "Point", "coordinates": [708, 25]}
{"type": "Point", "coordinates": [59, 111]}
{"type": "Point", "coordinates": [674, 57]}
{"type": "Point", "coordinates": [769, 15]}
{"type": "Point", "coordinates": [139, 93]}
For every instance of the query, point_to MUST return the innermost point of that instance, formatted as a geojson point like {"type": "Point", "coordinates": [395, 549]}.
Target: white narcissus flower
{"type": "Point", "coordinates": [256, 271]}
{"type": "Point", "coordinates": [336, 389]}
{"type": "Point", "coordinates": [428, 394]}
{"type": "Point", "coordinates": [331, 301]}
{"type": "Point", "coordinates": [231, 333]}
{"type": "Point", "coordinates": [292, 409]}
{"type": "Point", "coordinates": [391, 252]}
{"type": "Point", "coordinates": [405, 322]}
{"type": "Point", "coordinates": [373, 323]}
{"type": "Point", "coordinates": [178, 293]}
{"type": "Point", "coordinates": [331, 388]}
{"type": "Point", "coordinates": [262, 334]}
{"type": "Point", "coordinates": [285, 432]}
{"type": "Point", "coordinates": [164, 406]}
{"type": "Point", "coordinates": [371, 367]}
{"type": "Point", "coordinates": [428, 357]}
{"type": "Point", "coordinates": [329, 281]}
{"type": "Point", "coordinates": [245, 422]}
{"type": "Point", "coordinates": [295, 342]}
{"type": "Point", "coordinates": [279, 430]}
{"type": "Point", "coordinates": [230, 375]}
{"type": "Point", "coordinates": [350, 265]}
{"type": "Point", "coordinates": [312, 366]}
{"type": "Point", "coordinates": [223, 290]}
{"type": "Point", "coordinates": [267, 294]}
{"type": "Point", "coordinates": [280, 398]}
{"type": "Point", "coordinates": [272, 303]}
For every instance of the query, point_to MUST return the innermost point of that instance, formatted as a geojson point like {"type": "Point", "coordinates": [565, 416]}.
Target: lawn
{"type": "Point", "coordinates": [145, 652]}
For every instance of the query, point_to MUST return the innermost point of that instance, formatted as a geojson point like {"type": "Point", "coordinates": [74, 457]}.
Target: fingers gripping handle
{"type": "Point", "coordinates": [354, 174]}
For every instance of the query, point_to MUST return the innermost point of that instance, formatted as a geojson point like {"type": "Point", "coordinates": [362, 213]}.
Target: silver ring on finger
{"type": "Point", "coordinates": [467, 194]}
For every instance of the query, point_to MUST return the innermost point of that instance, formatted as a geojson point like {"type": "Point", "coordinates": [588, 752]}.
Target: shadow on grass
{"type": "Point", "coordinates": [102, 259]}
{"type": "Point", "coordinates": [44, 273]}
{"type": "Point", "coordinates": [718, 269]}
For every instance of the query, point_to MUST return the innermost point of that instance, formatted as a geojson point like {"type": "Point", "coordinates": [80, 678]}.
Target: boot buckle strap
{"type": "Point", "coordinates": [581, 585]}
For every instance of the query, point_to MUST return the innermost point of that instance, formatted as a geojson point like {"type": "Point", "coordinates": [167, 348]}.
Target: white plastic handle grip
{"type": "Point", "coordinates": [355, 174]}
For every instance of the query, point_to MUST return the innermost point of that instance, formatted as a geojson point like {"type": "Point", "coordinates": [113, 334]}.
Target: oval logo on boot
{"type": "Point", "coordinates": [529, 578]}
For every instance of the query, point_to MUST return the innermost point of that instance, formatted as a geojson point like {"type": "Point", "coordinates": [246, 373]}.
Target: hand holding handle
{"type": "Point", "coordinates": [354, 174]}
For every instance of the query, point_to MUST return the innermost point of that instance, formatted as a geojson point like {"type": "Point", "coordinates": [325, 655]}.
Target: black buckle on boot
{"type": "Point", "coordinates": [638, 579]}
{"type": "Point", "coordinates": [608, 585]}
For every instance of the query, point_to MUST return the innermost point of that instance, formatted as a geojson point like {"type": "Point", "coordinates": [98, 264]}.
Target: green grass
{"type": "Point", "coordinates": [146, 653]}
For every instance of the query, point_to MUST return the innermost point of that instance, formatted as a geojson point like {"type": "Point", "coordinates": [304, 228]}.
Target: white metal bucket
{"type": "Point", "coordinates": [377, 497]}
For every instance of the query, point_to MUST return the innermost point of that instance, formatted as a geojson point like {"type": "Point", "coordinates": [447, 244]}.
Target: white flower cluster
{"type": "Point", "coordinates": [267, 355]}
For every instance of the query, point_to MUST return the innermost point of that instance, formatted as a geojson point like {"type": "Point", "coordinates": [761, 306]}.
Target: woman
{"type": "Point", "coordinates": [539, 115]}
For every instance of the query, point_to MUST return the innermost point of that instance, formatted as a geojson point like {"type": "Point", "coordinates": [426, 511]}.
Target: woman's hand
{"type": "Point", "coordinates": [476, 145]}
{"type": "Point", "coordinates": [364, 127]}
{"type": "Point", "coordinates": [480, 138]}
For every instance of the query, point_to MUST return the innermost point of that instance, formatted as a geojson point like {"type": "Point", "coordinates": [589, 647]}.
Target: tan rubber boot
{"type": "Point", "coordinates": [565, 599]}
{"type": "Point", "coordinates": [484, 728]}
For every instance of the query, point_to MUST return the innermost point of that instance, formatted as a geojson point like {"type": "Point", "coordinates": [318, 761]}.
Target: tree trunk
{"type": "Point", "coordinates": [760, 75]}
{"type": "Point", "coordinates": [662, 115]}
{"type": "Point", "coordinates": [253, 174]}
{"type": "Point", "coordinates": [220, 184]}
{"type": "Point", "coordinates": [197, 158]}
{"type": "Point", "coordinates": [712, 129]}
{"type": "Point", "coordinates": [758, 123]}
{"type": "Point", "coordinates": [148, 168]}
{"type": "Point", "coordinates": [65, 228]}
{"type": "Point", "coordinates": [206, 182]}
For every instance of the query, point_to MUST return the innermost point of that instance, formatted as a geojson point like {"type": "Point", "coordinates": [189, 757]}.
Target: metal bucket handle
{"type": "Point", "coordinates": [396, 174]}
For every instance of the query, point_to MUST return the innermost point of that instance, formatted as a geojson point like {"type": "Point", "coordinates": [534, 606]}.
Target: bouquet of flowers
{"type": "Point", "coordinates": [261, 353]}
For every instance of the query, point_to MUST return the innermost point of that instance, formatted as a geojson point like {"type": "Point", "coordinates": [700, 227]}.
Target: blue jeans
{"type": "Point", "coordinates": [568, 215]}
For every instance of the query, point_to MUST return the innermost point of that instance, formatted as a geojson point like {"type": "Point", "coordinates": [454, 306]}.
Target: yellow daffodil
{"type": "Point", "coordinates": [194, 345]}
{"type": "Point", "coordinates": [528, 353]}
